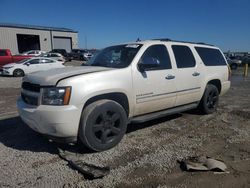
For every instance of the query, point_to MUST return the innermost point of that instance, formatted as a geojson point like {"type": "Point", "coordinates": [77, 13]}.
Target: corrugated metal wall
{"type": "Point", "coordinates": [8, 38]}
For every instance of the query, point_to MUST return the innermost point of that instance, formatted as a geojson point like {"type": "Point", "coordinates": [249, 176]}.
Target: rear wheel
{"type": "Point", "coordinates": [210, 99]}
{"type": "Point", "coordinates": [18, 72]}
{"type": "Point", "coordinates": [103, 124]}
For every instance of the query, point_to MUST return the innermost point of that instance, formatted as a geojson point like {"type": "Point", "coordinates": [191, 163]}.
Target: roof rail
{"type": "Point", "coordinates": [169, 40]}
{"type": "Point", "coordinates": [163, 39]}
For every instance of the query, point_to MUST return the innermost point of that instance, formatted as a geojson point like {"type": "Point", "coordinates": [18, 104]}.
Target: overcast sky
{"type": "Point", "coordinates": [225, 23]}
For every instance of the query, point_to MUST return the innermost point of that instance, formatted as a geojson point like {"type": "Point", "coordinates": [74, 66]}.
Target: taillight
{"type": "Point", "coordinates": [229, 72]}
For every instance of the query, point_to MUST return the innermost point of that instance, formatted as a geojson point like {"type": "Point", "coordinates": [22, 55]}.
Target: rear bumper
{"type": "Point", "coordinates": [225, 87]}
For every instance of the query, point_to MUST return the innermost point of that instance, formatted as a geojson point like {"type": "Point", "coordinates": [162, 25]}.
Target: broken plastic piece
{"type": "Point", "coordinates": [203, 164]}
{"type": "Point", "coordinates": [90, 171]}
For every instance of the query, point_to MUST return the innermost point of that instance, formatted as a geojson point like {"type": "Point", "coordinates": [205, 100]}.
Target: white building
{"type": "Point", "coordinates": [19, 38]}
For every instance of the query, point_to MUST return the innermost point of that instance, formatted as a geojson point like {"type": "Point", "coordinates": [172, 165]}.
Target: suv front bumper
{"type": "Point", "coordinates": [55, 121]}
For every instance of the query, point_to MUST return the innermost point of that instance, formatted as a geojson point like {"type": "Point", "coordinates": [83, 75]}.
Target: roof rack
{"type": "Point", "coordinates": [169, 40]}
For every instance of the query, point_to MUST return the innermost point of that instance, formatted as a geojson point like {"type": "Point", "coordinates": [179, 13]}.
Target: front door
{"type": "Point", "coordinates": [31, 66]}
{"type": "Point", "coordinates": [154, 88]}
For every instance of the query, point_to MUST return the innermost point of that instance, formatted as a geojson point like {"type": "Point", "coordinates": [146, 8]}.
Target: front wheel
{"type": "Point", "coordinates": [18, 73]}
{"type": "Point", "coordinates": [103, 124]}
{"type": "Point", "coordinates": [210, 99]}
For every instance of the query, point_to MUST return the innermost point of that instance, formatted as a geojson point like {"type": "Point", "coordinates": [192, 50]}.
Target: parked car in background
{"type": "Point", "coordinates": [246, 59]}
{"type": "Point", "coordinates": [6, 57]}
{"type": "Point", "coordinates": [31, 65]}
{"type": "Point", "coordinates": [234, 63]}
{"type": "Point", "coordinates": [33, 53]}
{"type": "Point", "coordinates": [81, 54]}
{"type": "Point", "coordinates": [63, 52]}
{"type": "Point", "coordinates": [55, 56]}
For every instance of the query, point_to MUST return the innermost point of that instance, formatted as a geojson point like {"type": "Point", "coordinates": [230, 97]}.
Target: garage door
{"type": "Point", "coordinates": [62, 43]}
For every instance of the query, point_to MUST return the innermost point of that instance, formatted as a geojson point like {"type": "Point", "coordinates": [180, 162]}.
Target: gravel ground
{"type": "Point", "coordinates": [146, 157]}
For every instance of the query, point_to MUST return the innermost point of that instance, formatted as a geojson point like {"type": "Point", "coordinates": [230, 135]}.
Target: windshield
{"type": "Point", "coordinates": [115, 56]}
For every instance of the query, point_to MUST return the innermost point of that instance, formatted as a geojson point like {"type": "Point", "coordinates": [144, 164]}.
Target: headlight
{"type": "Point", "coordinates": [7, 67]}
{"type": "Point", "coordinates": [56, 96]}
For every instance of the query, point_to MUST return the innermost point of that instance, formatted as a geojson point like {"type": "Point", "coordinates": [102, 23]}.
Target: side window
{"type": "Point", "coordinates": [34, 61]}
{"type": "Point", "coordinates": [2, 53]}
{"type": "Point", "coordinates": [210, 56]}
{"type": "Point", "coordinates": [183, 56]}
{"type": "Point", "coordinates": [160, 53]}
{"type": "Point", "coordinates": [47, 61]}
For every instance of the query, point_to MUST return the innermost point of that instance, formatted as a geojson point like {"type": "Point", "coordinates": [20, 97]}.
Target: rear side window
{"type": "Point", "coordinates": [34, 61]}
{"type": "Point", "coordinates": [2, 53]}
{"type": "Point", "coordinates": [211, 57]}
{"type": "Point", "coordinates": [46, 61]}
{"type": "Point", "coordinates": [183, 56]}
{"type": "Point", "coordinates": [160, 53]}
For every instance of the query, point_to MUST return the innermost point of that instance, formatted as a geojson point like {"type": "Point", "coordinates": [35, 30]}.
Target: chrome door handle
{"type": "Point", "coordinates": [196, 74]}
{"type": "Point", "coordinates": [170, 77]}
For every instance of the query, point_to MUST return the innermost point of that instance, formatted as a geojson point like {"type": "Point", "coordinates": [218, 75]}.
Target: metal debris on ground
{"type": "Point", "coordinates": [202, 164]}
{"type": "Point", "coordinates": [89, 171]}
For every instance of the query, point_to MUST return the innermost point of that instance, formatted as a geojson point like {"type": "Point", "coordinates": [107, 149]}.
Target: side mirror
{"type": "Point", "coordinates": [28, 64]}
{"type": "Point", "coordinates": [148, 63]}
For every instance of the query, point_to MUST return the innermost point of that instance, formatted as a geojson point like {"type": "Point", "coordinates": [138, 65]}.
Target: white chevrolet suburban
{"type": "Point", "coordinates": [131, 82]}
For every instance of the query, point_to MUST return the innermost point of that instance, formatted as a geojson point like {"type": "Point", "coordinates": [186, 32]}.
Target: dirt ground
{"type": "Point", "coordinates": [146, 157]}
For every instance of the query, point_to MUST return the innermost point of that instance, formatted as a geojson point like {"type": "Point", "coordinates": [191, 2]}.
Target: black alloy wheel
{"type": "Point", "coordinates": [18, 73]}
{"type": "Point", "coordinates": [103, 125]}
{"type": "Point", "coordinates": [210, 99]}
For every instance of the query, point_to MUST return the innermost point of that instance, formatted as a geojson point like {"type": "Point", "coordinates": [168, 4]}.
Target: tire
{"type": "Point", "coordinates": [210, 99]}
{"type": "Point", "coordinates": [18, 73]}
{"type": "Point", "coordinates": [103, 125]}
{"type": "Point", "coordinates": [234, 66]}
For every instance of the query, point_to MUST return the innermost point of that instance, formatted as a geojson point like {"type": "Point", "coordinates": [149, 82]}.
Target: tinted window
{"type": "Point", "coordinates": [47, 61]}
{"type": "Point", "coordinates": [54, 55]}
{"type": "Point", "coordinates": [160, 53]}
{"type": "Point", "coordinates": [34, 61]}
{"type": "Point", "coordinates": [211, 57]}
{"type": "Point", "coordinates": [2, 53]}
{"type": "Point", "coordinates": [183, 56]}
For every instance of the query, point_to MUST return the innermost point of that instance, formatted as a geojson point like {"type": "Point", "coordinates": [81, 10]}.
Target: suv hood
{"type": "Point", "coordinates": [51, 77]}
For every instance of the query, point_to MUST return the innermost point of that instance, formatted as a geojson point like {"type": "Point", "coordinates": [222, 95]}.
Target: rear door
{"type": "Point", "coordinates": [46, 64]}
{"type": "Point", "coordinates": [188, 75]}
{"type": "Point", "coordinates": [154, 88]}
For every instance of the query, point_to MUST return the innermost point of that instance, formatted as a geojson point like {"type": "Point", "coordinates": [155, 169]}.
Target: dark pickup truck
{"type": "Point", "coordinates": [6, 57]}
